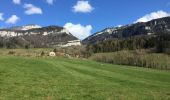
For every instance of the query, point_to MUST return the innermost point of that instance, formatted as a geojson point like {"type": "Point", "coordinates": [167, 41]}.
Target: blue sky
{"type": "Point", "coordinates": [94, 15]}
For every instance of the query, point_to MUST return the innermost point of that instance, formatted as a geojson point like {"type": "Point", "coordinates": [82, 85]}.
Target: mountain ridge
{"type": "Point", "coordinates": [155, 26]}
{"type": "Point", "coordinates": [49, 36]}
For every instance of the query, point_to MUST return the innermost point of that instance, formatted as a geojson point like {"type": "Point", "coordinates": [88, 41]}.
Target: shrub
{"type": "Point", "coordinates": [42, 53]}
{"type": "Point", "coordinates": [27, 46]}
{"type": "Point", "coordinates": [11, 52]}
{"type": "Point", "coordinates": [141, 59]}
{"type": "Point", "coordinates": [55, 50]}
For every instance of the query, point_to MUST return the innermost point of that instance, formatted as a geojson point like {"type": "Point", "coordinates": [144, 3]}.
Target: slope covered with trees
{"type": "Point", "coordinates": [157, 43]}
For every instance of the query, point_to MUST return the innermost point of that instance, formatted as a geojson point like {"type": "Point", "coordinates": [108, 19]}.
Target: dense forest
{"type": "Point", "coordinates": [157, 43]}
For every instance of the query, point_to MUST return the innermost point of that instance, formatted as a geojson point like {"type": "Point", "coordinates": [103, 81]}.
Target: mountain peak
{"type": "Point", "coordinates": [36, 36]}
{"type": "Point", "coordinates": [25, 27]}
{"type": "Point", "coordinates": [153, 27]}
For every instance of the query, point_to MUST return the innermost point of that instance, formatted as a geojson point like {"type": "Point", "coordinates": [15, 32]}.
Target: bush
{"type": "Point", "coordinates": [27, 46]}
{"type": "Point", "coordinates": [134, 58]}
{"type": "Point", "coordinates": [11, 52]}
{"type": "Point", "coordinates": [55, 50]}
{"type": "Point", "coordinates": [42, 53]}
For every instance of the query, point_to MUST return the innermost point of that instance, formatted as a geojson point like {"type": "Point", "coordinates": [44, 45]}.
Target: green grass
{"type": "Point", "coordinates": [25, 52]}
{"type": "Point", "coordinates": [23, 78]}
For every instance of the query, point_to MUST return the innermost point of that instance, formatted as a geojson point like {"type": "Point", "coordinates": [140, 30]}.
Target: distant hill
{"type": "Point", "coordinates": [157, 26]}
{"type": "Point", "coordinates": [36, 36]}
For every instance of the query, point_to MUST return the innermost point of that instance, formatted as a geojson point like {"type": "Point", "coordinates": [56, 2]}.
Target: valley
{"type": "Point", "coordinates": [129, 62]}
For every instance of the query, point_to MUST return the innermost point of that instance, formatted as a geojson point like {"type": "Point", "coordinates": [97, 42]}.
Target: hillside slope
{"type": "Point", "coordinates": [157, 26]}
{"type": "Point", "coordinates": [50, 36]}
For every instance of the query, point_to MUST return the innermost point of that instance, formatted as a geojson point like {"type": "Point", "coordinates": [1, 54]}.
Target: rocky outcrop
{"type": "Point", "coordinates": [50, 36]}
{"type": "Point", "coordinates": [157, 26]}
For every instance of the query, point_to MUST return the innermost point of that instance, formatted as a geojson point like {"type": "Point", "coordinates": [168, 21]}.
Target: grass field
{"type": "Point", "coordinates": [23, 78]}
{"type": "Point", "coordinates": [25, 52]}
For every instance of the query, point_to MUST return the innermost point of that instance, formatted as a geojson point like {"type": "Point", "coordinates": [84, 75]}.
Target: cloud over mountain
{"type": "Point", "coordinates": [31, 9]}
{"type": "Point", "coordinates": [83, 7]}
{"type": "Point", "coordinates": [153, 15]}
{"type": "Point", "coordinates": [17, 2]}
{"type": "Point", "coordinates": [79, 30]}
{"type": "Point", "coordinates": [13, 19]}
{"type": "Point", "coordinates": [50, 2]}
{"type": "Point", "coordinates": [1, 17]}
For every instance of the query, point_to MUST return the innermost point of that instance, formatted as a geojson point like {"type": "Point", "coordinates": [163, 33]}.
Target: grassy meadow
{"type": "Point", "coordinates": [34, 52]}
{"type": "Point", "coordinates": [45, 78]}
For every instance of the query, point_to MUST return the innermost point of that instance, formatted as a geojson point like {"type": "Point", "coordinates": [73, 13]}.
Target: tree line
{"type": "Point", "coordinates": [158, 43]}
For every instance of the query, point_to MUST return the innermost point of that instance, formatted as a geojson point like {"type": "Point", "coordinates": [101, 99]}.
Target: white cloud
{"type": "Point", "coordinates": [31, 9]}
{"type": "Point", "coordinates": [79, 30]}
{"type": "Point", "coordinates": [119, 25]}
{"type": "Point", "coordinates": [83, 7]}
{"type": "Point", "coordinates": [50, 2]}
{"type": "Point", "coordinates": [12, 20]}
{"type": "Point", "coordinates": [17, 2]}
{"type": "Point", "coordinates": [153, 15]}
{"type": "Point", "coordinates": [1, 17]}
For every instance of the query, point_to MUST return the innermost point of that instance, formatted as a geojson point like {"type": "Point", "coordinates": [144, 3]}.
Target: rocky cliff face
{"type": "Point", "coordinates": [51, 36]}
{"type": "Point", "coordinates": [25, 27]}
{"type": "Point", "coordinates": [153, 27]}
